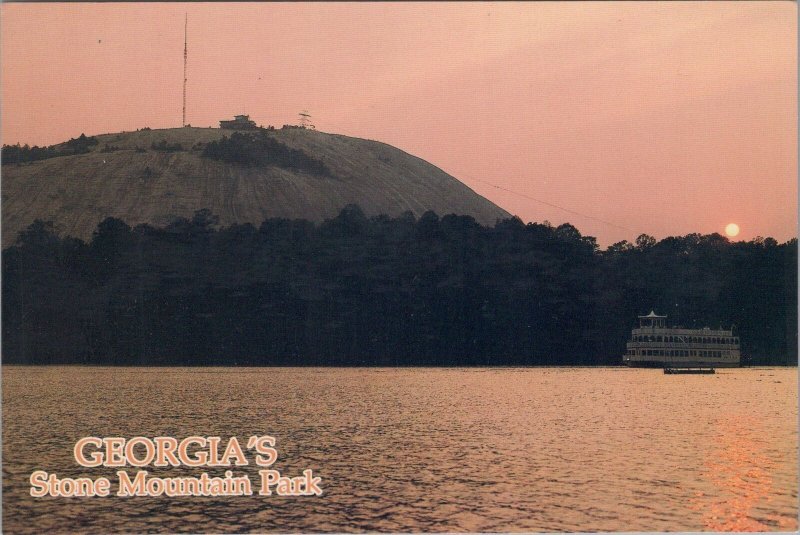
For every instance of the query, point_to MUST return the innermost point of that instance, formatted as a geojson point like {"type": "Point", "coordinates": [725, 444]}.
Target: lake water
{"type": "Point", "coordinates": [435, 450]}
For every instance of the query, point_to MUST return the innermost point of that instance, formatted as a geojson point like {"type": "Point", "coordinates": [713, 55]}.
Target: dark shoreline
{"type": "Point", "coordinates": [302, 366]}
{"type": "Point", "coordinates": [380, 291]}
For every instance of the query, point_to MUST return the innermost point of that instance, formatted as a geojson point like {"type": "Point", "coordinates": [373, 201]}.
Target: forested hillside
{"type": "Point", "coordinates": [359, 290]}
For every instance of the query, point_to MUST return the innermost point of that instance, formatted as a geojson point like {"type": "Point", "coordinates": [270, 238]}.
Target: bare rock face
{"type": "Point", "coordinates": [142, 177]}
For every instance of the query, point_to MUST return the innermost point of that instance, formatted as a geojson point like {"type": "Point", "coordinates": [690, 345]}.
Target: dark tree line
{"type": "Point", "coordinates": [261, 149]}
{"type": "Point", "coordinates": [379, 291]}
{"type": "Point", "coordinates": [24, 153]}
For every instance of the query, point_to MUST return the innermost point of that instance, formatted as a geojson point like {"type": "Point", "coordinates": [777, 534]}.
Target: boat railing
{"type": "Point", "coordinates": [685, 332]}
{"type": "Point", "coordinates": [680, 345]}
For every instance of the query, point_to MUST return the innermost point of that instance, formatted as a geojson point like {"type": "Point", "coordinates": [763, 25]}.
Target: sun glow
{"type": "Point", "coordinates": [732, 229]}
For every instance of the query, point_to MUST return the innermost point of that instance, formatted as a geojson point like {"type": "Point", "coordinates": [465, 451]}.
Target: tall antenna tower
{"type": "Point", "coordinates": [185, 55]}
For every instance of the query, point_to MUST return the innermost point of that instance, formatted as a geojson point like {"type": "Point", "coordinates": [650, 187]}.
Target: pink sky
{"type": "Point", "coordinates": [659, 118]}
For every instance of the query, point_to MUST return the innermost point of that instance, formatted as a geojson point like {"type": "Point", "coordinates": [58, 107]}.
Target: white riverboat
{"type": "Point", "coordinates": [653, 345]}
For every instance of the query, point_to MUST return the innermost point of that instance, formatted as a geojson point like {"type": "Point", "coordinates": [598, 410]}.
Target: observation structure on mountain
{"type": "Point", "coordinates": [239, 122]}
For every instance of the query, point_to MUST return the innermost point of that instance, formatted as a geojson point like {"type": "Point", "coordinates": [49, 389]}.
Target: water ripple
{"type": "Point", "coordinates": [432, 450]}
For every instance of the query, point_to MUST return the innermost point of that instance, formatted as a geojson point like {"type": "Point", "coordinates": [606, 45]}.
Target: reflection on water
{"type": "Point", "coordinates": [435, 450]}
{"type": "Point", "coordinates": [739, 471]}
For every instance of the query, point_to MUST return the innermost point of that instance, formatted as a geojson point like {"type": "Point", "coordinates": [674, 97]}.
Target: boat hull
{"type": "Point", "coordinates": [665, 364]}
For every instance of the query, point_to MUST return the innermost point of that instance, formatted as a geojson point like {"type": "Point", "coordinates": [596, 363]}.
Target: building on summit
{"type": "Point", "coordinates": [239, 122]}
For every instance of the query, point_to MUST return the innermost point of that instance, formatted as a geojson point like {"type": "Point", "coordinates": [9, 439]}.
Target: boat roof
{"type": "Point", "coordinates": [652, 315]}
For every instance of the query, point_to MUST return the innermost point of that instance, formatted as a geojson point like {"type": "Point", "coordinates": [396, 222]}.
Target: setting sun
{"type": "Point", "coordinates": [732, 230]}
